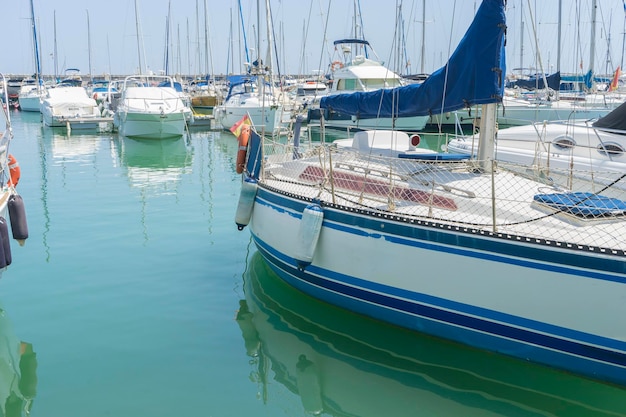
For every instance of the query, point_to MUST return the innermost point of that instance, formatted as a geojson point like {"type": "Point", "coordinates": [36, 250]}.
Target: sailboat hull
{"type": "Point", "coordinates": [536, 303]}
{"type": "Point", "coordinates": [268, 119]}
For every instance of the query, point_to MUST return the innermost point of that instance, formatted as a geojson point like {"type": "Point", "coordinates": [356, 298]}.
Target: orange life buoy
{"type": "Point", "coordinates": [243, 138]}
{"type": "Point", "coordinates": [336, 65]}
{"type": "Point", "coordinates": [14, 171]}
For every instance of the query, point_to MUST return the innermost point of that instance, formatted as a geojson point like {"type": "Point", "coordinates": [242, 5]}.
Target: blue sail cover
{"type": "Point", "coordinates": [473, 75]}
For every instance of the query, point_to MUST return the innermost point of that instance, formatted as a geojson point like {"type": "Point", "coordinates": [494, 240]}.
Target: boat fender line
{"type": "Point", "coordinates": [336, 65]}
{"type": "Point", "coordinates": [308, 235]}
{"type": "Point", "coordinates": [5, 247]}
{"type": "Point", "coordinates": [17, 216]}
{"type": "Point", "coordinates": [243, 139]}
{"type": "Point", "coordinates": [246, 202]}
{"type": "Point", "coordinates": [14, 171]}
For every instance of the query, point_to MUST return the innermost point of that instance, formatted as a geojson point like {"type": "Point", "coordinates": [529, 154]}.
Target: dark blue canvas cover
{"type": "Point", "coordinates": [473, 75]}
{"type": "Point", "coordinates": [583, 204]}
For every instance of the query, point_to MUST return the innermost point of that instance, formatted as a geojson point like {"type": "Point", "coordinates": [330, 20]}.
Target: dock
{"type": "Point", "coordinates": [96, 124]}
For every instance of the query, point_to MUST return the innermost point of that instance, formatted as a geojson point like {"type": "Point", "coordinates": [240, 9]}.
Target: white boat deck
{"type": "Point", "coordinates": [452, 194]}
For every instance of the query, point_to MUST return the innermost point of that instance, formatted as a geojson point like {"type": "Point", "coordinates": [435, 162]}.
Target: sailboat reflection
{"type": "Point", "coordinates": [18, 372]}
{"type": "Point", "coordinates": [156, 165]}
{"type": "Point", "coordinates": [342, 364]}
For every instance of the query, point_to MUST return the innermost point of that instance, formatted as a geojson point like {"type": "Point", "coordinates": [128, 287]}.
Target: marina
{"type": "Point", "coordinates": [139, 297]}
{"type": "Point", "coordinates": [356, 239]}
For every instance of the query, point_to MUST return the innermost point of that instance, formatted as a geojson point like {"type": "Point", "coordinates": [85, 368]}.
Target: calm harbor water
{"type": "Point", "coordinates": [135, 295]}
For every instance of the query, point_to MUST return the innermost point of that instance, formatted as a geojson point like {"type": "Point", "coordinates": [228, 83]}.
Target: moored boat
{"type": "Point", "coordinates": [150, 111]}
{"type": "Point", "coordinates": [478, 251]}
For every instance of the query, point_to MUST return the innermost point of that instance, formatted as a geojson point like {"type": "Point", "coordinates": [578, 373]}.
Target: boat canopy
{"type": "Point", "coordinates": [615, 120]}
{"type": "Point", "coordinates": [351, 40]}
{"type": "Point", "coordinates": [586, 79]}
{"type": "Point", "coordinates": [536, 82]}
{"type": "Point", "coordinates": [473, 75]}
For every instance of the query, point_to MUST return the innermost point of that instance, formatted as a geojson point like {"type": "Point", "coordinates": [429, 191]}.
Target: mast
{"type": "Point", "coordinates": [423, 35]}
{"type": "Point", "coordinates": [198, 49]}
{"type": "Point", "coordinates": [521, 49]}
{"type": "Point", "coordinates": [167, 38]}
{"type": "Point", "coordinates": [207, 43]}
{"type": "Point", "coordinates": [138, 38]}
{"type": "Point", "coordinates": [592, 46]}
{"type": "Point", "coordinates": [35, 46]}
{"type": "Point", "coordinates": [56, 55]}
{"type": "Point", "coordinates": [558, 50]}
{"type": "Point", "coordinates": [243, 31]}
{"type": "Point", "coordinates": [89, 45]}
{"type": "Point", "coordinates": [188, 51]}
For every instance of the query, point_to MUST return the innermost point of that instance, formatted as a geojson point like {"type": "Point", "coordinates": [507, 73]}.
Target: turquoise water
{"type": "Point", "coordinates": [135, 295]}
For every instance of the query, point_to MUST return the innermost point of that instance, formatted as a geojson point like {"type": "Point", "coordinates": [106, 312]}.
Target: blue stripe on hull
{"type": "Point", "coordinates": [583, 353]}
{"type": "Point", "coordinates": [601, 363]}
{"type": "Point", "coordinates": [531, 254]}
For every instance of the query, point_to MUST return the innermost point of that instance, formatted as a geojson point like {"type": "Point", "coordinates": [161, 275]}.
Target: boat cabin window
{"type": "Point", "coordinates": [350, 84]}
{"type": "Point", "coordinates": [563, 143]}
{"type": "Point", "coordinates": [611, 149]}
{"type": "Point", "coordinates": [376, 83]}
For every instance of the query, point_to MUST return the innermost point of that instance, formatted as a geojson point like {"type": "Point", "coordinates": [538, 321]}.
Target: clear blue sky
{"type": "Point", "coordinates": [114, 42]}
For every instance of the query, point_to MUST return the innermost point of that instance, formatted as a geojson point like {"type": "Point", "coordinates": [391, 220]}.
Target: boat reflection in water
{"type": "Point", "coordinates": [75, 148]}
{"type": "Point", "coordinates": [156, 165]}
{"type": "Point", "coordinates": [18, 371]}
{"type": "Point", "coordinates": [343, 364]}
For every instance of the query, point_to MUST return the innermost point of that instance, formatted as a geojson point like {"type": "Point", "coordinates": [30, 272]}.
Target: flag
{"type": "Point", "coordinates": [236, 128]}
{"type": "Point", "coordinates": [615, 82]}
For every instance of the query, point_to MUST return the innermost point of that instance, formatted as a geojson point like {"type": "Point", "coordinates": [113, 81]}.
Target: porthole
{"type": "Point", "coordinates": [563, 143]}
{"type": "Point", "coordinates": [611, 149]}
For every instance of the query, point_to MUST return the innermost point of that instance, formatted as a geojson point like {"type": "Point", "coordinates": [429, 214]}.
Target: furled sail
{"type": "Point", "coordinates": [473, 75]}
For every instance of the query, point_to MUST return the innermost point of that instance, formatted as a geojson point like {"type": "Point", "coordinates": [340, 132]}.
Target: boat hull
{"type": "Point", "coordinates": [552, 307]}
{"type": "Point", "coordinates": [151, 125]}
{"type": "Point", "coordinates": [268, 119]}
{"type": "Point", "coordinates": [30, 103]}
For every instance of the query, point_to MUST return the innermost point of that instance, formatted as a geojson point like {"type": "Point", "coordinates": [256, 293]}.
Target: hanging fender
{"type": "Point", "coordinates": [243, 139]}
{"type": "Point", "coordinates": [14, 171]}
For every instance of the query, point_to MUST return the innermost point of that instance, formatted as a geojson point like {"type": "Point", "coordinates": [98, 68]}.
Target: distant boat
{"type": "Point", "coordinates": [479, 251]}
{"type": "Point", "coordinates": [578, 147]}
{"type": "Point", "coordinates": [309, 92]}
{"type": "Point", "coordinates": [204, 97]}
{"type": "Point", "coordinates": [64, 105]}
{"type": "Point", "coordinates": [149, 109]}
{"type": "Point", "coordinates": [247, 97]}
{"type": "Point", "coordinates": [357, 73]}
{"type": "Point", "coordinates": [31, 95]}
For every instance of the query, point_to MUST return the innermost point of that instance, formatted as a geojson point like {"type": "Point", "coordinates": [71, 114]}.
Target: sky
{"type": "Point", "coordinates": [101, 36]}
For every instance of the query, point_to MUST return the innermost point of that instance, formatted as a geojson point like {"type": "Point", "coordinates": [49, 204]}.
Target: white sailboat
{"type": "Point", "coordinates": [30, 96]}
{"type": "Point", "coordinates": [485, 253]}
{"type": "Point", "coordinates": [253, 95]}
